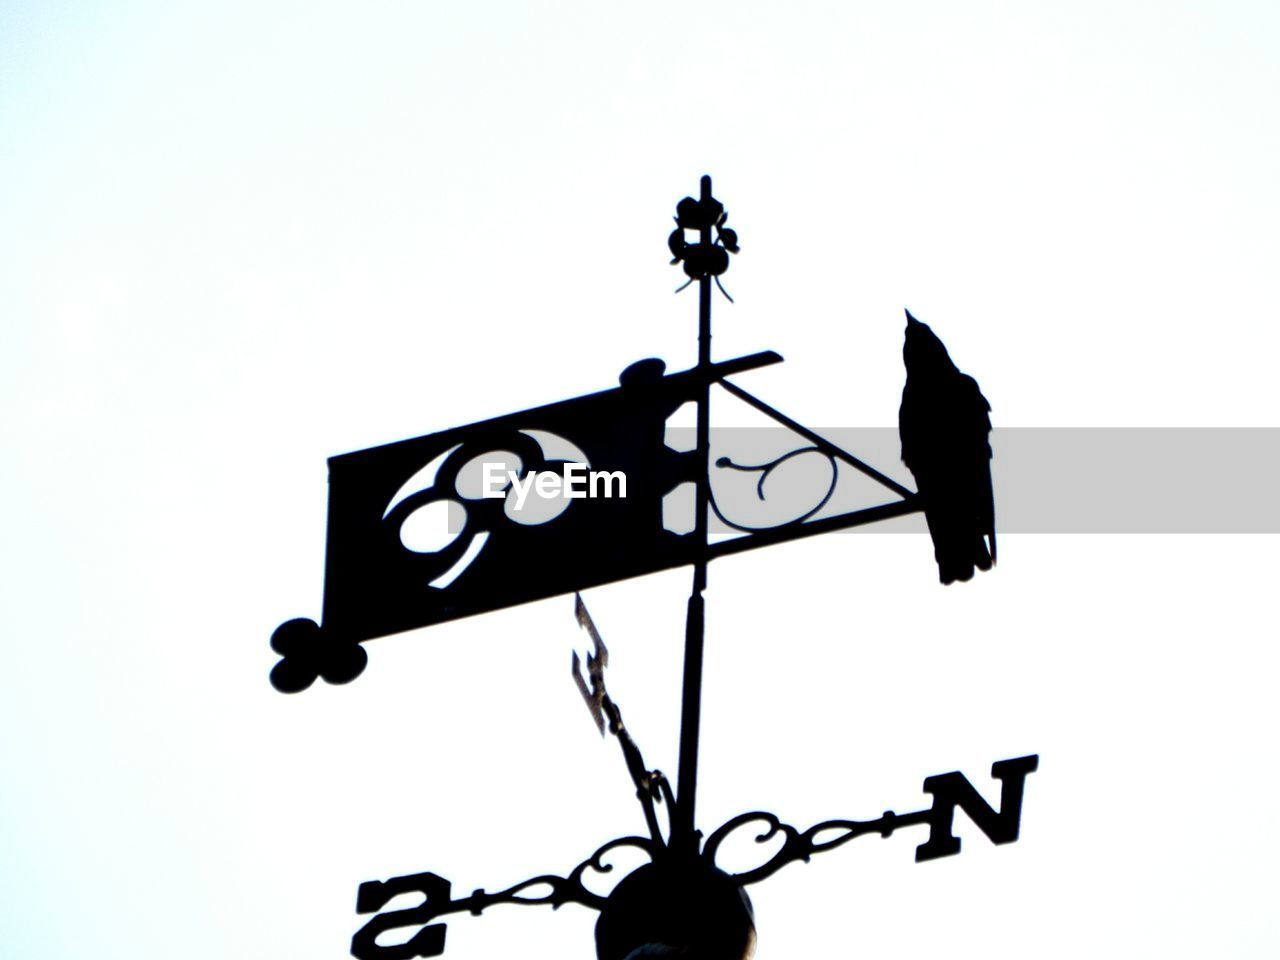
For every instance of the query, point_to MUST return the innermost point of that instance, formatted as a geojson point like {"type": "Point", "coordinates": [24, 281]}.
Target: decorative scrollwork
{"type": "Point", "coordinates": [706, 258]}
{"type": "Point", "coordinates": [765, 469]}
{"type": "Point", "coordinates": [801, 845]}
{"type": "Point", "coordinates": [597, 864]}
{"type": "Point", "coordinates": [438, 902]}
{"type": "Point", "coordinates": [569, 889]}
{"type": "Point", "coordinates": [563, 890]}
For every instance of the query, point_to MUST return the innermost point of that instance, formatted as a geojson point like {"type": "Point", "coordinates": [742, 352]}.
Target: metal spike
{"type": "Point", "coordinates": [587, 624]}
{"type": "Point", "coordinates": [593, 693]}
{"type": "Point", "coordinates": [593, 705]}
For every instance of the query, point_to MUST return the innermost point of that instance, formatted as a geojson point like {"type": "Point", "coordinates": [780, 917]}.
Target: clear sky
{"type": "Point", "coordinates": [237, 238]}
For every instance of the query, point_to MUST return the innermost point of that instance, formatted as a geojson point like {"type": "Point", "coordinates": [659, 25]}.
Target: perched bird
{"type": "Point", "coordinates": [945, 426]}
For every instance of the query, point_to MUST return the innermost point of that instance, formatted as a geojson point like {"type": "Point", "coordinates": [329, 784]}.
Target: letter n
{"type": "Point", "coordinates": [951, 790]}
{"type": "Point", "coordinates": [376, 894]}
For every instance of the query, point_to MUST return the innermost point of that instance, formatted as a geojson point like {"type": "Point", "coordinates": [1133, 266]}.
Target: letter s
{"type": "Point", "coordinates": [374, 895]}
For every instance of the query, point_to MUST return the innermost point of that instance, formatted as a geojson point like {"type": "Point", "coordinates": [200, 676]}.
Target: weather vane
{"type": "Point", "coordinates": [604, 477]}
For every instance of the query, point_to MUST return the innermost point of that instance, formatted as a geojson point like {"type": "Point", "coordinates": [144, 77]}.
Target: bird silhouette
{"type": "Point", "coordinates": [945, 427]}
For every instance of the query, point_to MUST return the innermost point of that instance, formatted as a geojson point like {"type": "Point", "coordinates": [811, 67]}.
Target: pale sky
{"type": "Point", "coordinates": [238, 238]}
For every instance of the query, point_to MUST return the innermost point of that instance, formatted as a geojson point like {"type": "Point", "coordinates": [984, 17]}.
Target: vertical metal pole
{"type": "Point", "coordinates": [685, 837]}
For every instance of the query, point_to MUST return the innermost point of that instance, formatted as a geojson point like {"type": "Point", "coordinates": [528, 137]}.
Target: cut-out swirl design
{"type": "Point", "coordinates": [561, 890]}
{"type": "Point", "coordinates": [801, 845]}
{"type": "Point", "coordinates": [765, 469]}
{"type": "Point", "coordinates": [453, 481]}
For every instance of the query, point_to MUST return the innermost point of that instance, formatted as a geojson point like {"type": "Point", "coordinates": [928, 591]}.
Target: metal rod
{"type": "Point", "coordinates": [810, 528]}
{"type": "Point", "coordinates": [645, 784]}
{"type": "Point", "coordinates": [684, 835]}
{"type": "Point", "coordinates": [826, 446]}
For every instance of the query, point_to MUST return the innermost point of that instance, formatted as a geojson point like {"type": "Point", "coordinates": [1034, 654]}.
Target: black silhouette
{"type": "Point", "coordinates": [671, 909]}
{"type": "Point", "coordinates": [945, 427]}
{"type": "Point", "coordinates": [652, 786]}
{"type": "Point", "coordinates": [680, 903]}
{"type": "Point", "coordinates": [380, 578]}
{"type": "Point", "coordinates": [376, 585]}
{"type": "Point", "coordinates": [706, 258]}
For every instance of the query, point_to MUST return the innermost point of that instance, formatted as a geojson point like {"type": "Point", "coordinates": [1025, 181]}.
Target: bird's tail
{"type": "Point", "coordinates": [982, 558]}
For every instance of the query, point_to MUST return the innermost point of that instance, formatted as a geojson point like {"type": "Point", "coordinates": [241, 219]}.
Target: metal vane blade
{"type": "Point", "coordinates": [587, 624]}
{"type": "Point", "coordinates": [597, 714]}
{"type": "Point", "coordinates": [593, 694]}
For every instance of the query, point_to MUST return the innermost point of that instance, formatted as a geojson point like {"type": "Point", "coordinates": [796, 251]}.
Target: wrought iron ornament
{"type": "Point", "coordinates": [381, 578]}
{"type": "Point", "coordinates": [682, 897]}
{"type": "Point", "coordinates": [377, 584]}
{"type": "Point", "coordinates": [950, 791]}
